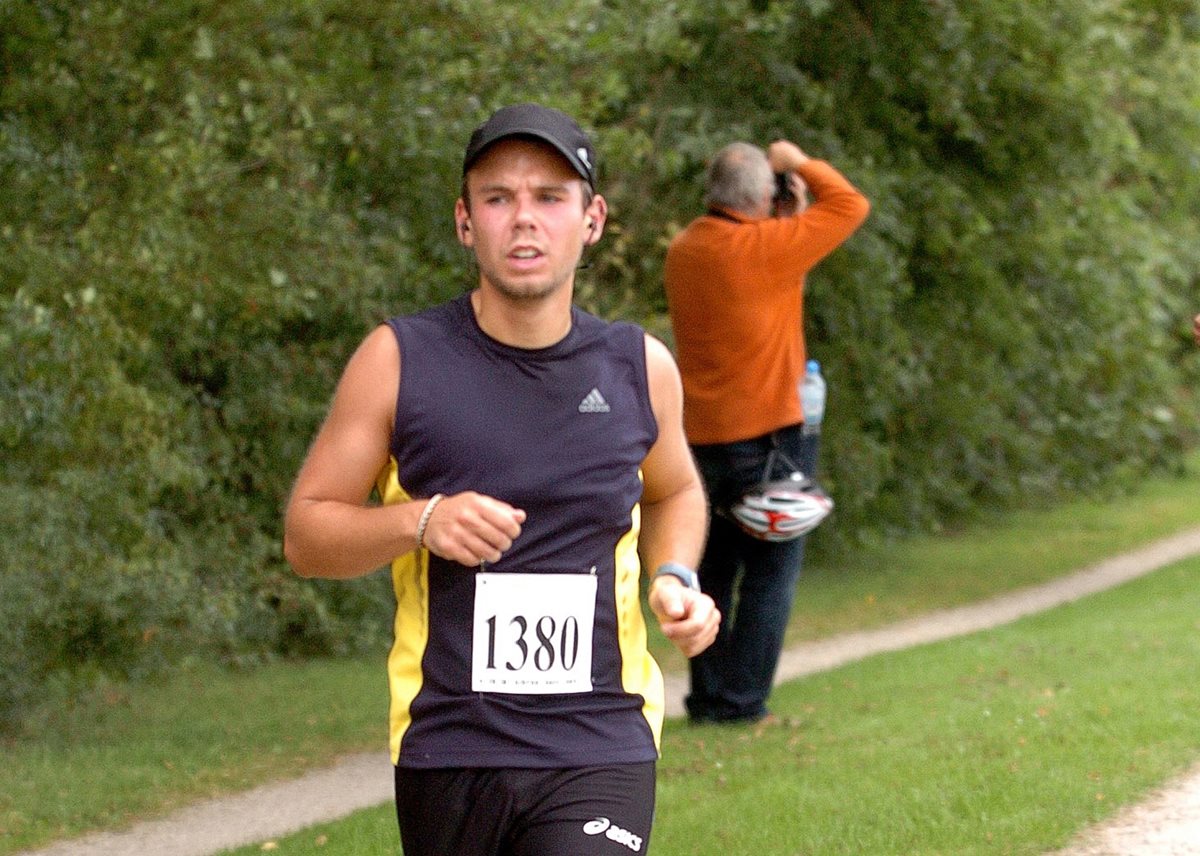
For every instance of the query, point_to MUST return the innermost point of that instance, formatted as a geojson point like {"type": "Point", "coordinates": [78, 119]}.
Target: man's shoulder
{"type": "Point", "coordinates": [721, 232]}
{"type": "Point", "coordinates": [704, 229]}
{"type": "Point", "coordinates": [590, 325]}
{"type": "Point", "coordinates": [439, 313]}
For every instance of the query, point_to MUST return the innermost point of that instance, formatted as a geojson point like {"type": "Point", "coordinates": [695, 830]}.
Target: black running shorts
{"type": "Point", "coordinates": [589, 811]}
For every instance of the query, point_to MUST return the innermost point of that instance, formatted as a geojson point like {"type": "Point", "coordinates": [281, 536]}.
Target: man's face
{"type": "Point", "coordinates": [527, 223]}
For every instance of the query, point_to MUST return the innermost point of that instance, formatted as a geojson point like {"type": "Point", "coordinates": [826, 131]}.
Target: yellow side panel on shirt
{"type": "Point", "coordinates": [410, 580]}
{"type": "Point", "coordinates": [639, 672]}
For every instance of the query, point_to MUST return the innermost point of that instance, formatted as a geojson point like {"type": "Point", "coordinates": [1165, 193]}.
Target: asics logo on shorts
{"type": "Point", "coordinates": [602, 825]}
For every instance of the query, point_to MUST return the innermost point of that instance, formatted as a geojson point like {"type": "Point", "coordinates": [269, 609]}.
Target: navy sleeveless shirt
{"type": "Point", "coordinates": [560, 432]}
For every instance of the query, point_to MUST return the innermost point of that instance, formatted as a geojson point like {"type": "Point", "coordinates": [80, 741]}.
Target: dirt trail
{"type": "Point", "coordinates": [1168, 824]}
{"type": "Point", "coordinates": [1165, 824]}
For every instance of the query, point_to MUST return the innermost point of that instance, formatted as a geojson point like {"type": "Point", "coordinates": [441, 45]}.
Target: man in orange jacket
{"type": "Point", "coordinates": [735, 281]}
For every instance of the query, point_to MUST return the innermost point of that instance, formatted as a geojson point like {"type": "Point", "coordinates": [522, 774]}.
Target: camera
{"type": "Point", "coordinates": [783, 189]}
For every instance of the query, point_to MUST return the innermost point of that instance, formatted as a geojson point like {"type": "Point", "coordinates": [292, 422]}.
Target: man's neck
{"type": "Point", "coordinates": [523, 323]}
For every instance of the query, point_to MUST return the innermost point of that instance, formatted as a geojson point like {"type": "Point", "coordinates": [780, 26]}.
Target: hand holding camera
{"type": "Point", "coordinates": [791, 193]}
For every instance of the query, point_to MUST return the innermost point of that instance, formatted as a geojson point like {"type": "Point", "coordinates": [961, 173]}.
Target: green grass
{"type": "Point", "coordinates": [1001, 742]}
{"type": "Point", "coordinates": [1004, 742]}
{"type": "Point", "coordinates": [144, 751]}
{"type": "Point", "coordinates": [139, 752]}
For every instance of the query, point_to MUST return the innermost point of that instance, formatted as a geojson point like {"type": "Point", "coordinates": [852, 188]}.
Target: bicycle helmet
{"type": "Point", "coordinates": [781, 509]}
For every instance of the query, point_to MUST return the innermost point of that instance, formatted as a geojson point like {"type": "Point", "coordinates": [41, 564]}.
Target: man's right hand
{"type": "Point", "coordinates": [470, 528]}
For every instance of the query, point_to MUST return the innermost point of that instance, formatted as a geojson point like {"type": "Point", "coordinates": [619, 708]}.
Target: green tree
{"type": "Point", "coordinates": [206, 206]}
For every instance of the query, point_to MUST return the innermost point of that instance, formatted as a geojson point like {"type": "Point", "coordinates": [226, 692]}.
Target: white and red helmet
{"type": "Point", "coordinates": [782, 510]}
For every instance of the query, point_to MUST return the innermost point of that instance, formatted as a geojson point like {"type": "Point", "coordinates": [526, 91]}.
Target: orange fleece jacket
{"type": "Point", "coordinates": [735, 295]}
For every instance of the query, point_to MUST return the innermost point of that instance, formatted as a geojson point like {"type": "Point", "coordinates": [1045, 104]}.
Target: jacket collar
{"type": "Point", "coordinates": [728, 214]}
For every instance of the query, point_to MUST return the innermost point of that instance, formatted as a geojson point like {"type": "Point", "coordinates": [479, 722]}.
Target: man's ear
{"type": "Point", "coordinates": [462, 224]}
{"type": "Point", "coordinates": [594, 219]}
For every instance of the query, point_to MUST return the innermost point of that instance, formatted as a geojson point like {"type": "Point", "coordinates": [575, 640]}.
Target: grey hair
{"type": "Point", "coordinates": [738, 177]}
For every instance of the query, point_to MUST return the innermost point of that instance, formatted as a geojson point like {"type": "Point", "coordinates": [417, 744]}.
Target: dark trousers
{"type": "Point", "coordinates": [753, 583]}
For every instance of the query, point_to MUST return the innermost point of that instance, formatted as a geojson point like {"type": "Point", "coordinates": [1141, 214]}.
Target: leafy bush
{"type": "Point", "coordinates": [207, 205]}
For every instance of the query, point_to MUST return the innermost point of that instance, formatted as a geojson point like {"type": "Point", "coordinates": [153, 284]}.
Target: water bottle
{"type": "Point", "coordinates": [812, 397]}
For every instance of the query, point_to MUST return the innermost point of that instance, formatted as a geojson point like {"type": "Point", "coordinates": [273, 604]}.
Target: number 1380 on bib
{"type": "Point", "coordinates": [532, 633]}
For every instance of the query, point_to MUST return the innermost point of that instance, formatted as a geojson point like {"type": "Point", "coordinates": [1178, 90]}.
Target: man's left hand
{"type": "Point", "coordinates": [688, 618]}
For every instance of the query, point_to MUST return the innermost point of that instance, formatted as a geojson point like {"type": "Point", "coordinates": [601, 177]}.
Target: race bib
{"type": "Point", "coordinates": [533, 633]}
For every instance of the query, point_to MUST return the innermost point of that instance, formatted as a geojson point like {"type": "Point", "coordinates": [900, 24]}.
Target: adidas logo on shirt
{"type": "Point", "coordinates": [594, 403]}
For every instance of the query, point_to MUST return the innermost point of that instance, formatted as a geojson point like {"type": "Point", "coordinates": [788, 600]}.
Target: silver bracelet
{"type": "Point", "coordinates": [423, 521]}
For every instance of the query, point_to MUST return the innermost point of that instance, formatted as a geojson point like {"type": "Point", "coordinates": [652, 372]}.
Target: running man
{"type": "Point", "coordinates": [531, 460]}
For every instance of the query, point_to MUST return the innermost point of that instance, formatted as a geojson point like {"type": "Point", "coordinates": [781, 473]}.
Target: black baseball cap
{"type": "Point", "coordinates": [543, 123]}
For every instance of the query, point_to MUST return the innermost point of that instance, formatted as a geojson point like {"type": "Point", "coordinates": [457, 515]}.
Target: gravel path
{"type": "Point", "coordinates": [1167, 824]}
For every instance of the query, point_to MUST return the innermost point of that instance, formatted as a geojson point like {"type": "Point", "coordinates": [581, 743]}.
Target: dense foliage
{"type": "Point", "coordinates": [205, 205]}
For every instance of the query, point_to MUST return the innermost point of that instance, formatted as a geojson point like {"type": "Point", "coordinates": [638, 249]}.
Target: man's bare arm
{"type": "Point", "coordinates": [674, 513]}
{"type": "Point", "coordinates": [330, 530]}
